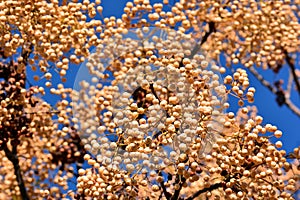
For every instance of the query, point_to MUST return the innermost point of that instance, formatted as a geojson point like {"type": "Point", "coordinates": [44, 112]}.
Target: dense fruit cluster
{"type": "Point", "coordinates": [160, 124]}
{"type": "Point", "coordinates": [152, 122]}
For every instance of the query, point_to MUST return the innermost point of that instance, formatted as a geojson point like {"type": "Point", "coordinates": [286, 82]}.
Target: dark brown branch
{"type": "Point", "coordinates": [290, 63]}
{"type": "Point", "coordinates": [179, 180]}
{"type": "Point", "coordinates": [12, 156]}
{"type": "Point", "coordinates": [210, 188]}
{"type": "Point", "coordinates": [212, 29]}
{"type": "Point", "coordinates": [167, 194]}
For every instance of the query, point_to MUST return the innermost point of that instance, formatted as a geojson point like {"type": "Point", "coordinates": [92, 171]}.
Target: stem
{"type": "Point", "coordinates": [12, 156]}
{"type": "Point", "coordinates": [261, 79]}
{"type": "Point", "coordinates": [289, 85]}
{"type": "Point", "coordinates": [290, 63]}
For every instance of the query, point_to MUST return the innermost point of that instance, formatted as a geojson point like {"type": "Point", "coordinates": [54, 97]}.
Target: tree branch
{"type": "Point", "coordinates": [264, 82]}
{"type": "Point", "coordinates": [289, 85]}
{"type": "Point", "coordinates": [179, 180]}
{"type": "Point", "coordinates": [210, 188]}
{"type": "Point", "coordinates": [12, 156]}
{"type": "Point", "coordinates": [290, 63]}
{"type": "Point", "coordinates": [167, 194]}
{"type": "Point", "coordinates": [261, 79]}
{"type": "Point", "coordinates": [292, 106]}
{"type": "Point", "coordinates": [212, 29]}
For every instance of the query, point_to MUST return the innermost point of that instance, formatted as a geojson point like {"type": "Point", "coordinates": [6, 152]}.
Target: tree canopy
{"type": "Point", "coordinates": [149, 118]}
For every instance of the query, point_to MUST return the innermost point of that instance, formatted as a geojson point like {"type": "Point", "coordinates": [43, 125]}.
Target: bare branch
{"type": "Point", "coordinates": [289, 85]}
{"type": "Point", "coordinates": [268, 85]}
{"type": "Point", "coordinates": [289, 60]}
{"type": "Point", "coordinates": [292, 106]}
{"type": "Point", "coordinates": [262, 80]}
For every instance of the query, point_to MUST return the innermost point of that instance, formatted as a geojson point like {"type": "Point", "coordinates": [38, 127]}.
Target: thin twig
{"type": "Point", "coordinates": [268, 85]}
{"type": "Point", "coordinates": [292, 106]}
{"type": "Point", "coordinates": [289, 85]}
{"type": "Point", "coordinates": [262, 80]}
{"type": "Point", "coordinates": [289, 60]}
